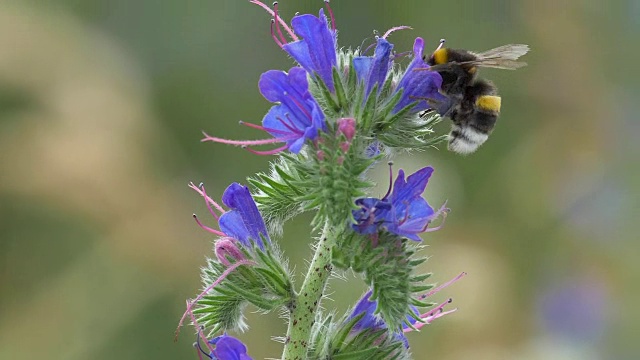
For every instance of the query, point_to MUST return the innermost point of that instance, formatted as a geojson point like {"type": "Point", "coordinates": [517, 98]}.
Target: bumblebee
{"type": "Point", "coordinates": [472, 104]}
{"type": "Point", "coordinates": [474, 117]}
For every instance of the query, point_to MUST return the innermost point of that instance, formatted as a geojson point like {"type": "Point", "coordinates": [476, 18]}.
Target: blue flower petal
{"type": "Point", "coordinates": [298, 116]}
{"type": "Point", "coordinates": [374, 70]}
{"type": "Point", "coordinates": [244, 222]}
{"type": "Point", "coordinates": [362, 66]}
{"type": "Point", "coordinates": [229, 348]}
{"type": "Point", "coordinates": [413, 187]}
{"type": "Point", "coordinates": [419, 84]}
{"type": "Point", "coordinates": [316, 52]}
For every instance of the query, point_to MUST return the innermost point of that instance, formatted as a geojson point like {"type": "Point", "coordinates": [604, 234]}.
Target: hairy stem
{"type": "Point", "coordinates": [303, 310]}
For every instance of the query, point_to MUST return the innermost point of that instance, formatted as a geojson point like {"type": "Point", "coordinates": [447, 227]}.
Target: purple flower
{"type": "Point", "coordinates": [401, 211]}
{"type": "Point", "coordinates": [225, 348]}
{"type": "Point", "coordinates": [316, 52]}
{"type": "Point", "coordinates": [296, 119]}
{"type": "Point", "coordinates": [372, 322]}
{"type": "Point", "coordinates": [419, 84]}
{"type": "Point", "coordinates": [374, 69]}
{"type": "Point", "coordinates": [298, 116]}
{"type": "Point", "coordinates": [243, 223]}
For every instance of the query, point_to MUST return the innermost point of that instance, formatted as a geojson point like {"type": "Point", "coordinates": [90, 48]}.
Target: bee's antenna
{"type": "Point", "coordinates": [441, 44]}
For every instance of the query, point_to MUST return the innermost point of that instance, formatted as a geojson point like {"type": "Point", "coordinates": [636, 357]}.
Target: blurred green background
{"type": "Point", "coordinates": [101, 108]}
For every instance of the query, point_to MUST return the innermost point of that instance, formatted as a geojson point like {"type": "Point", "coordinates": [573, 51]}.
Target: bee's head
{"type": "Point", "coordinates": [439, 56]}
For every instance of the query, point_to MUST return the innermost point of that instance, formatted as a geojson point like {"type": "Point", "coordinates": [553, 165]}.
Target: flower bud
{"type": "Point", "coordinates": [226, 248]}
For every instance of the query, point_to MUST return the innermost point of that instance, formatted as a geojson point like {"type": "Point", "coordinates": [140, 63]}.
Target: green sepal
{"type": "Point", "coordinates": [369, 110]}
{"type": "Point", "coordinates": [337, 84]}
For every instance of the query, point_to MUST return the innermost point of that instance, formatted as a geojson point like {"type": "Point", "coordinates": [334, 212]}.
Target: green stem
{"type": "Point", "coordinates": [303, 310]}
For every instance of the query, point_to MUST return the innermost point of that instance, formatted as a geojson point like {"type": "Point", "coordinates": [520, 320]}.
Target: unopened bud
{"type": "Point", "coordinates": [226, 248]}
{"type": "Point", "coordinates": [347, 127]}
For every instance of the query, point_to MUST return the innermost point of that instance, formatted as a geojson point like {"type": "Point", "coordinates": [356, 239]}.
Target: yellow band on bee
{"type": "Point", "coordinates": [489, 102]}
{"type": "Point", "coordinates": [440, 56]}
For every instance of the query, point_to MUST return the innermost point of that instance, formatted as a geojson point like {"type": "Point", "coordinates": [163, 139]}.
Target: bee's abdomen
{"type": "Point", "coordinates": [465, 139]}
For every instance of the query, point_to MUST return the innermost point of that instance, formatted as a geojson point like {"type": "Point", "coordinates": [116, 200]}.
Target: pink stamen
{"type": "Point", "coordinates": [390, 163]}
{"type": "Point", "coordinates": [280, 20]}
{"type": "Point", "coordinates": [200, 334]}
{"type": "Point", "coordinates": [333, 20]}
{"type": "Point", "coordinates": [209, 205]}
{"type": "Point", "coordinates": [207, 198]}
{"type": "Point", "coordinates": [289, 125]}
{"type": "Point", "coordinates": [206, 228]}
{"type": "Point", "coordinates": [448, 283]}
{"type": "Point", "coordinates": [394, 29]}
{"type": "Point", "coordinates": [209, 288]}
{"type": "Point", "coordinates": [444, 211]}
{"type": "Point", "coordinates": [406, 216]}
{"type": "Point", "coordinates": [273, 35]}
{"type": "Point", "coordinates": [240, 142]}
{"type": "Point", "coordinates": [304, 110]}
{"type": "Point", "coordinates": [268, 152]}
{"type": "Point", "coordinates": [199, 352]}
{"type": "Point", "coordinates": [258, 127]}
{"type": "Point", "coordinates": [402, 54]}
{"type": "Point", "coordinates": [275, 14]}
{"type": "Point", "coordinates": [429, 316]}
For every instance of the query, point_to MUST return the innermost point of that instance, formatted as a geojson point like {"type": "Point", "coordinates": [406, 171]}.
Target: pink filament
{"type": "Point", "coordinates": [200, 334]}
{"type": "Point", "coordinates": [429, 316]}
{"type": "Point", "coordinates": [207, 198]}
{"type": "Point", "coordinates": [269, 130]}
{"type": "Point", "coordinates": [275, 14]}
{"type": "Point", "coordinates": [268, 152]}
{"type": "Point", "coordinates": [240, 142]}
{"type": "Point", "coordinates": [280, 20]}
{"type": "Point", "coordinates": [209, 205]}
{"type": "Point", "coordinates": [448, 283]}
{"type": "Point", "coordinates": [444, 211]}
{"type": "Point", "coordinates": [209, 288]}
{"type": "Point", "coordinates": [396, 28]}
{"type": "Point", "coordinates": [205, 227]}
{"type": "Point", "coordinates": [273, 35]}
{"type": "Point", "coordinates": [333, 20]}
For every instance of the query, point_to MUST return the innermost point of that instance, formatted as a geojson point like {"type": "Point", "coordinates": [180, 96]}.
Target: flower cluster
{"type": "Point", "coordinates": [332, 115]}
{"type": "Point", "coordinates": [299, 117]}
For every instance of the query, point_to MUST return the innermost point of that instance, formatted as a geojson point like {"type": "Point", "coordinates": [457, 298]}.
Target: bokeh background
{"type": "Point", "coordinates": [101, 107]}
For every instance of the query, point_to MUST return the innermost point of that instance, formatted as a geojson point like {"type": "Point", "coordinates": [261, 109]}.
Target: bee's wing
{"type": "Point", "coordinates": [498, 64]}
{"type": "Point", "coordinates": [505, 52]}
{"type": "Point", "coordinates": [502, 57]}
